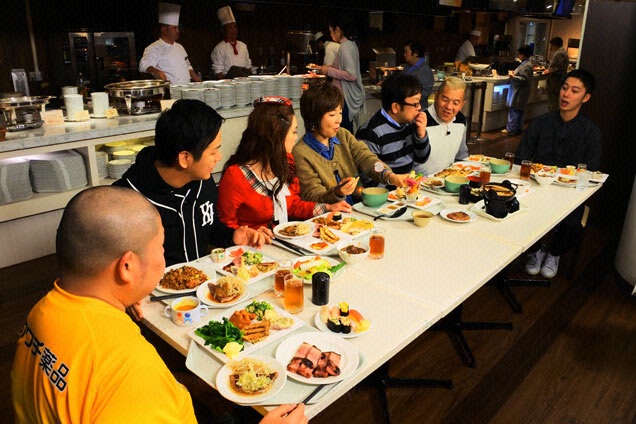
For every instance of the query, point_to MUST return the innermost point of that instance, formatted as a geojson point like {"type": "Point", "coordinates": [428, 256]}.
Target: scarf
{"type": "Point", "coordinates": [233, 44]}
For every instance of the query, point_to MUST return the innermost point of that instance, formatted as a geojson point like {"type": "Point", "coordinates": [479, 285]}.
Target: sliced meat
{"type": "Point", "coordinates": [313, 356]}
{"type": "Point", "coordinates": [321, 368]}
{"type": "Point", "coordinates": [333, 363]}
{"type": "Point", "coordinates": [294, 364]}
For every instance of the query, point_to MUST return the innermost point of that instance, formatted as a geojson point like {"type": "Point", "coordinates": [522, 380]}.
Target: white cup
{"type": "Point", "coordinates": [100, 104]}
{"type": "Point", "coordinates": [69, 89]}
{"type": "Point", "coordinates": [74, 103]}
{"type": "Point", "coordinates": [186, 311]}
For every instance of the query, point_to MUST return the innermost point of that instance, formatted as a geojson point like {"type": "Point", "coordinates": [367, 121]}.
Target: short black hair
{"type": "Point", "coordinates": [189, 125]}
{"type": "Point", "coordinates": [525, 50]}
{"type": "Point", "coordinates": [557, 41]}
{"type": "Point", "coordinates": [416, 47]}
{"type": "Point", "coordinates": [398, 87]}
{"type": "Point", "coordinates": [588, 80]}
{"type": "Point", "coordinates": [345, 22]}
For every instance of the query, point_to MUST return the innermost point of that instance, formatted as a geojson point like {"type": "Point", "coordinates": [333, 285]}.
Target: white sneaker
{"type": "Point", "coordinates": [550, 266]}
{"type": "Point", "coordinates": [534, 261]}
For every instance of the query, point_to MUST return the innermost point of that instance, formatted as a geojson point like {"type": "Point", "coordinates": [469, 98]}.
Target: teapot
{"type": "Point", "coordinates": [500, 199]}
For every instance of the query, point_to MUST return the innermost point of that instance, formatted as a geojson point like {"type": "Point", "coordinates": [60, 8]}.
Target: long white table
{"type": "Point", "coordinates": [425, 274]}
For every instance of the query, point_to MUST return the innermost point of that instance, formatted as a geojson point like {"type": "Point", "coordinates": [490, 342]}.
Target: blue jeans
{"type": "Point", "coordinates": [515, 120]}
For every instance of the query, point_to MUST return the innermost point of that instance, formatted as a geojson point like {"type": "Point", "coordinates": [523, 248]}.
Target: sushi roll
{"type": "Point", "coordinates": [344, 309]}
{"type": "Point", "coordinates": [333, 324]}
{"type": "Point", "coordinates": [337, 216]}
{"type": "Point", "coordinates": [345, 325]}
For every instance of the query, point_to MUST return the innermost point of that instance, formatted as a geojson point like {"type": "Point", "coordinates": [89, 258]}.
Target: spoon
{"type": "Point", "coordinates": [395, 214]}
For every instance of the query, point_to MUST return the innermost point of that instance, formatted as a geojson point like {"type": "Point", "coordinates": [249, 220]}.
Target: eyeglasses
{"type": "Point", "coordinates": [415, 105]}
{"type": "Point", "coordinates": [273, 100]}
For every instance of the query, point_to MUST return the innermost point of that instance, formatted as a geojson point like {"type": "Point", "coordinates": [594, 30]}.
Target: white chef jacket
{"type": "Point", "coordinates": [223, 57]}
{"type": "Point", "coordinates": [465, 51]}
{"type": "Point", "coordinates": [331, 51]}
{"type": "Point", "coordinates": [172, 59]}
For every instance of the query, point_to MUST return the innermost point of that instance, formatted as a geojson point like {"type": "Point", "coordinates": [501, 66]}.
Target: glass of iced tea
{"type": "Point", "coordinates": [510, 157]}
{"type": "Point", "coordinates": [376, 243]}
{"type": "Point", "coordinates": [524, 172]}
{"type": "Point", "coordinates": [294, 297]}
{"type": "Point", "coordinates": [284, 269]}
{"type": "Point", "coordinates": [484, 173]}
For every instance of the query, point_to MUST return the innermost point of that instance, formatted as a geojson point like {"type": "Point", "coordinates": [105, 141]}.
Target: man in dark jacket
{"type": "Point", "coordinates": [175, 175]}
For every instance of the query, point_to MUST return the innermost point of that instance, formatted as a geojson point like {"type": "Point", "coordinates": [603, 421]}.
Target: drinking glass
{"type": "Point", "coordinates": [583, 176]}
{"type": "Point", "coordinates": [510, 157]}
{"type": "Point", "coordinates": [524, 172]}
{"type": "Point", "coordinates": [484, 173]}
{"type": "Point", "coordinates": [376, 243]}
{"type": "Point", "coordinates": [284, 269]}
{"type": "Point", "coordinates": [294, 297]}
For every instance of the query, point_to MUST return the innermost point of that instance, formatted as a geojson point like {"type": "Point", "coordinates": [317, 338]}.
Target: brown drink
{"type": "Point", "coordinates": [284, 269]}
{"type": "Point", "coordinates": [294, 297]}
{"type": "Point", "coordinates": [510, 157]}
{"type": "Point", "coordinates": [524, 172]}
{"type": "Point", "coordinates": [484, 173]}
{"type": "Point", "coordinates": [376, 243]}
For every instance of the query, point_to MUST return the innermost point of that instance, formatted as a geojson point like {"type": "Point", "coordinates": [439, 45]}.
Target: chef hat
{"type": "Point", "coordinates": [169, 13]}
{"type": "Point", "coordinates": [475, 33]}
{"type": "Point", "coordinates": [318, 36]}
{"type": "Point", "coordinates": [225, 15]}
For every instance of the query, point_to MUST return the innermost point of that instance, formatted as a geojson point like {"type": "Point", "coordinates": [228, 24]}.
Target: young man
{"type": "Point", "coordinates": [446, 127]}
{"type": "Point", "coordinates": [563, 138]}
{"type": "Point", "coordinates": [397, 132]}
{"type": "Point", "coordinates": [176, 176]}
{"type": "Point", "coordinates": [80, 358]}
{"type": "Point", "coordinates": [556, 72]}
{"type": "Point", "coordinates": [166, 59]}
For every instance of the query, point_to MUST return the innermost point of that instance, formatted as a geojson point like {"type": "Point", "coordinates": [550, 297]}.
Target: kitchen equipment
{"type": "Point", "coordinates": [385, 56]}
{"type": "Point", "coordinates": [138, 97]}
{"type": "Point", "coordinates": [22, 113]}
{"type": "Point", "coordinates": [383, 72]}
{"type": "Point", "coordinates": [500, 199]}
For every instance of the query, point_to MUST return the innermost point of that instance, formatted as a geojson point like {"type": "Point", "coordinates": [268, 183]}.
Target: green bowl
{"type": "Point", "coordinates": [374, 196]}
{"type": "Point", "coordinates": [453, 182]}
{"type": "Point", "coordinates": [499, 166]}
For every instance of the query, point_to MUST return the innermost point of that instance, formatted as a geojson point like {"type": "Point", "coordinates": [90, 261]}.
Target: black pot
{"type": "Point", "coordinates": [500, 199]}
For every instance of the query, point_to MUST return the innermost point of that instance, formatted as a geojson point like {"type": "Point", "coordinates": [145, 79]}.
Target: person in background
{"type": "Point", "coordinates": [345, 71]}
{"type": "Point", "coordinates": [562, 138]}
{"type": "Point", "coordinates": [100, 368]}
{"type": "Point", "coordinates": [328, 157]}
{"type": "Point", "coordinates": [520, 85]}
{"type": "Point", "coordinates": [176, 176]}
{"type": "Point", "coordinates": [446, 127]}
{"type": "Point", "coordinates": [329, 47]}
{"type": "Point", "coordinates": [259, 187]}
{"type": "Point", "coordinates": [467, 49]}
{"type": "Point", "coordinates": [397, 132]}
{"type": "Point", "coordinates": [556, 72]}
{"type": "Point", "coordinates": [230, 57]}
{"type": "Point", "coordinates": [417, 66]}
{"type": "Point", "coordinates": [165, 59]}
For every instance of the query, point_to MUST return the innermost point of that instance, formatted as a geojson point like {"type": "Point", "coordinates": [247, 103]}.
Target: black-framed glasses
{"type": "Point", "coordinates": [415, 105]}
{"type": "Point", "coordinates": [273, 100]}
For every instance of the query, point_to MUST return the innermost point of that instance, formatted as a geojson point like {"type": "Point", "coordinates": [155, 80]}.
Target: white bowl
{"type": "Point", "coordinates": [352, 258]}
{"type": "Point", "coordinates": [544, 179]}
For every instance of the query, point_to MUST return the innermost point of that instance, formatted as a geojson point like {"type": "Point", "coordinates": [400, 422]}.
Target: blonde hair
{"type": "Point", "coordinates": [453, 83]}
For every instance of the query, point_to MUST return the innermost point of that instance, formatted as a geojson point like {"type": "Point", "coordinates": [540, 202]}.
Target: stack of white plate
{"type": "Point", "coordinates": [14, 180]}
{"type": "Point", "coordinates": [282, 85]}
{"type": "Point", "coordinates": [114, 146]}
{"type": "Point", "coordinates": [117, 167]}
{"type": "Point", "coordinates": [256, 89]}
{"type": "Point", "coordinates": [193, 93]}
{"type": "Point", "coordinates": [209, 84]}
{"type": "Point", "coordinates": [175, 90]}
{"type": "Point", "coordinates": [270, 86]}
{"type": "Point", "coordinates": [212, 97]}
{"type": "Point", "coordinates": [242, 93]}
{"type": "Point", "coordinates": [124, 154]}
{"type": "Point", "coordinates": [57, 171]}
{"type": "Point", "coordinates": [135, 148]}
{"type": "Point", "coordinates": [296, 87]}
{"type": "Point", "coordinates": [227, 95]}
{"type": "Point", "coordinates": [102, 164]}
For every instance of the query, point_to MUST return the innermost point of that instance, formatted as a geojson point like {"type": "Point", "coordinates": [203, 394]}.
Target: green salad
{"type": "Point", "coordinates": [217, 334]}
{"type": "Point", "coordinates": [252, 258]}
{"type": "Point", "coordinates": [308, 268]}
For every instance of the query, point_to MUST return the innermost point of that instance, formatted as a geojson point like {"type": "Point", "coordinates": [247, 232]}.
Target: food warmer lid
{"type": "Point", "coordinates": [23, 101]}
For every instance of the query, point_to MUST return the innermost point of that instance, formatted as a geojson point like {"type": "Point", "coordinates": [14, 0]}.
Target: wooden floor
{"type": "Point", "coordinates": [570, 358]}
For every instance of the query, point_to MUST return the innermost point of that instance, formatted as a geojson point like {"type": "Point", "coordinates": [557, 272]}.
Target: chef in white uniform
{"type": "Point", "coordinates": [166, 59]}
{"type": "Point", "coordinates": [467, 49]}
{"type": "Point", "coordinates": [230, 53]}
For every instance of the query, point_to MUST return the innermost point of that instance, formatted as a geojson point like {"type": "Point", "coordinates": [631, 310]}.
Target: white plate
{"type": "Point", "coordinates": [223, 382]}
{"type": "Point", "coordinates": [332, 262]}
{"type": "Point", "coordinates": [445, 212]}
{"type": "Point", "coordinates": [392, 207]}
{"type": "Point", "coordinates": [287, 224]}
{"type": "Point", "coordinates": [326, 343]}
{"type": "Point", "coordinates": [323, 327]}
{"type": "Point", "coordinates": [229, 258]}
{"type": "Point", "coordinates": [420, 197]}
{"type": "Point", "coordinates": [203, 293]}
{"type": "Point", "coordinates": [209, 272]}
{"type": "Point", "coordinates": [248, 348]}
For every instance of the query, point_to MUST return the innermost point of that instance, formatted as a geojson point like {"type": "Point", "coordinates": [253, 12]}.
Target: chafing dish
{"type": "Point", "coordinates": [138, 97]}
{"type": "Point", "coordinates": [22, 113]}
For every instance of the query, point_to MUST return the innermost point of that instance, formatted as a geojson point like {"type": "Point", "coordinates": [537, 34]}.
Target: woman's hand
{"type": "Point", "coordinates": [286, 414]}
{"type": "Point", "coordinates": [247, 236]}
{"type": "Point", "coordinates": [346, 187]}
{"type": "Point", "coordinates": [341, 206]}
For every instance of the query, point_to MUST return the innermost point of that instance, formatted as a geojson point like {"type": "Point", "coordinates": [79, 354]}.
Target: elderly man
{"type": "Point", "coordinates": [397, 132]}
{"type": "Point", "coordinates": [467, 49]}
{"type": "Point", "coordinates": [79, 357]}
{"type": "Point", "coordinates": [230, 57]}
{"type": "Point", "coordinates": [446, 127]}
{"type": "Point", "coordinates": [166, 59]}
{"type": "Point", "coordinates": [562, 138]}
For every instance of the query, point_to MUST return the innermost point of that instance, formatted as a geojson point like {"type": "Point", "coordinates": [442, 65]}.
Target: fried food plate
{"type": "Point", "coordinates": [204, 295]}
{"type": "Point", "coordinates": [208, 270]}
{"type": "Point", "coordinates": [294, 229]}
{"type": "Point", "coordinates": [448, 214]}
{"type": "Point", "coordinates": [325, 343]}
{"type": "Point", "coordinates": [224, 387]}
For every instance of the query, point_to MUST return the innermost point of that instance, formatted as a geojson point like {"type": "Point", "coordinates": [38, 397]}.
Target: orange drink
{"type": "Point", "coordinates": [376, 243]}
{"type": "Point", "coordinates": [294, 297]}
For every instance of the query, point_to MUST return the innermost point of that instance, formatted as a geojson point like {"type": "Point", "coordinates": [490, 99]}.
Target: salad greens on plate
{"type": "Point", "coordinates": [217, 334]}
{"type": "Point", "coordinates": [305, 269]}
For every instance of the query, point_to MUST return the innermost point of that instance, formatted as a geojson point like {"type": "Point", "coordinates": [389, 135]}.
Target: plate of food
{"type": "Point", "coordinates": [343, 321]}
{"type": "Point", "coordinates": [463, 169]}
{"type": "Point", "coordinates": [312, 66]}
{"type": "Point", "coordinates": [478, 158]}
{"type": "Point", "coordinates": [225, 292]}
{"type": "Point", "coordinates": [317, 358]}
{"type": "Point", "coordinates": [344, 223]}
{"type": "Point", "coordinates": [306, 266]}
{"type": "Point", "coordinates": [460, 216]}
{"type": "Point", "coordinates": [294, 229]}
{"type": "Point", "coordinates": [241, 330]}
{"type": "Point", "coordinates": [247, 263]}
{"type": "Point", "coordinates": [251, 380]}
{"type": "Point", "coordinates": [184, 277]}
{"type": "Point", "coordinates": [539, 167]}
{"type": "Point", "coordinates": [432, 183]}
{"type": "Point", "coordinates": [420, 201]}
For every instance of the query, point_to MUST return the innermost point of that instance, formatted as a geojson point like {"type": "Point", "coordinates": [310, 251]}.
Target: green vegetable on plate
{"type": "Point", "coordinates": [217, 334]}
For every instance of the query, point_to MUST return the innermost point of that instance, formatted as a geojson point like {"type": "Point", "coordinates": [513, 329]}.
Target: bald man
{"type": "Point", "coordinates": [80, 358]}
